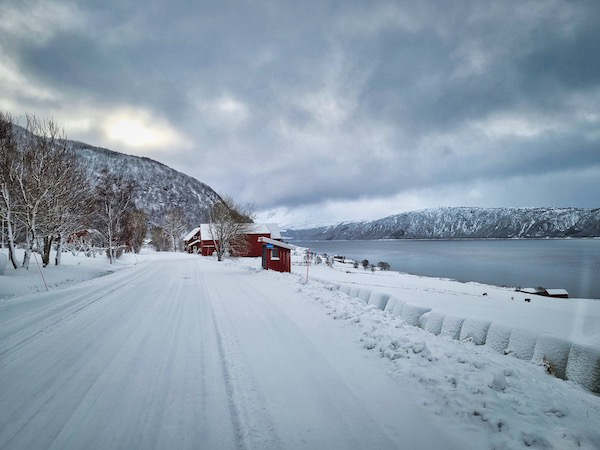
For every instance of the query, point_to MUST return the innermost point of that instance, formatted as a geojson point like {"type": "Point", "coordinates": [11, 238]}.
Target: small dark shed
{"type": "Point", "coordinates": [276, 255]}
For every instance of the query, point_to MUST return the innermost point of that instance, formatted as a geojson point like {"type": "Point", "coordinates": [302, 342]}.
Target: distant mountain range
{"type": "Point", "coordinates": [461, 222]}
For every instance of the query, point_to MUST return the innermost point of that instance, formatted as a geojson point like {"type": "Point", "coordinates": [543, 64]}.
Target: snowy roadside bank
{"type": "Point", "coordinates": [72, 270]}
{"type": "Point", "coordinates": [561, 334]}
{"type": "Point", "coordinates": [573, 319]}
{"type": "Point", "coordinates": [514, 402]}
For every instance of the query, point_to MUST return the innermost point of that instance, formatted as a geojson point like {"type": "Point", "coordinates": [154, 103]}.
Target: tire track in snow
{"type": "Point", "coordinates": [254, 428]}
{"type": "Point", "coordinates": [73, 371]}
{"type": "Point", "coordinates": [227, 379]}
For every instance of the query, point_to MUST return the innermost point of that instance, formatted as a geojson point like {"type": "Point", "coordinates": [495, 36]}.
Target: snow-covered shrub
{"type": "Point", "coordinates": [433, 322]}
{"type": "Point", "coordinates": [554, 353]}
{"type": "Point", "coordinates": [379, 300]}
{"type": "Point", "coordinates": [475, 331]}
{"type": "Point", "coordinates": [583, 367]}
{"type": "Point", "coordinates": [364, 295]}
{"type": "Point", "coordinates": [498, 337]}
{"type": "Point", "coordinates": [521, 344]}
{"type": "Point", "coordinates": [451, 326]}
{"type": "Point", "coordinates": [411, 313]}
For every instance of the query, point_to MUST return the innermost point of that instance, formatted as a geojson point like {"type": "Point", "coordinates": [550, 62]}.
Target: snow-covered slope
{"type": "Point", "coordinates": [160, 188]}
{"type": "Point", "coordinates": [461, 222]}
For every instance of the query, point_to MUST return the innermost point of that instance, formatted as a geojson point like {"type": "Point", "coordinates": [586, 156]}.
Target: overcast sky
{"type": "Point", "coordinates": [319, 112]}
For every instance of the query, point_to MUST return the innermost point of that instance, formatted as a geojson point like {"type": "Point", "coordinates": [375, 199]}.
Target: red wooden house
{"type": "Point", "coordinates": [200, 240]}
{"type": "Point", "coordinates": [276, 255]}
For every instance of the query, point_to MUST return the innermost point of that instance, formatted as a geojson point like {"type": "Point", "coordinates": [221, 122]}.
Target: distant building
{"type": "Point", "coordinates": [556, 293]}
{"type": "Point", "coordinates": [276, 255]}
{"type": "Point", "coordinates": [199, 240]}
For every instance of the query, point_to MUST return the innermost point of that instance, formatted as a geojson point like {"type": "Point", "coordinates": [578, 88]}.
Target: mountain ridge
{"type": "Point", "coordinates": [159, 187]}
{"type": "Point", "coordinates": [465, 222]}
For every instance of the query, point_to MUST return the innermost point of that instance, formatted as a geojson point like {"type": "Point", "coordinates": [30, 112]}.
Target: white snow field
{"type": "Point", "coordinates": [185, 352]}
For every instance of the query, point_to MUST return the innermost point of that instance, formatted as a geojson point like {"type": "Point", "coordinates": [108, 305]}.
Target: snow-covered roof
{"type": "Point", "coordinates": [191, 234]}
{"type": "Point", "coordinates": [531, 290]}
{"type": "Point", "coordinates": [557, 292]}
{"type": "Point", "coordinates": [251, 228]}
{"type": "Point", "coordinates": [276, 243]}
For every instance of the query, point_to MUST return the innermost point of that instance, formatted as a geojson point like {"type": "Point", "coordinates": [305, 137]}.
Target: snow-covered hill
{"type": "Point", "coordinates": [160, 188]}
{"type": "Point", "coordinates": [462, 222]}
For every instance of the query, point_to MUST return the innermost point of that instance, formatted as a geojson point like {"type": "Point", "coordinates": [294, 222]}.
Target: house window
{"type": "Point", "coordinates": [275, 253]}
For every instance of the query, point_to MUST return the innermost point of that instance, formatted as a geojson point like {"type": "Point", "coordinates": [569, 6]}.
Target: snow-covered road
{"type": "Point", "coordinates": [195, 354]}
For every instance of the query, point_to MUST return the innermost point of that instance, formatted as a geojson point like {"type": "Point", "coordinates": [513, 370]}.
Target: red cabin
{"type": "Point", "coordinates": [276, 255]}
{"type": "Point", "coordinates": [199, 240]}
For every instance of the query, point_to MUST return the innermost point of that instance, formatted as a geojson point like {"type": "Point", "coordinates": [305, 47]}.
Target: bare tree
{"type": "Point", "coordinates": [175, 225]}
{"type": "Point", "coordinates": [134, 230]}
{"type": "Point", "coordinates": [9, 160]}
{"type": "Point", "coordinates": [69, 206]}
{"type": "Point", "coordinates": [40, 179]}
{"type": "Point", "coordinates": [227, 225]}
{"type": "Point", "coordinates": [160, 239]}
{"type": "Point", "coordinates": [114, 198]}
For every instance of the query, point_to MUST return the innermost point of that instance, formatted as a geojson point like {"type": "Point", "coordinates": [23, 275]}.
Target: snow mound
{"type": "Point", "coordinates": [346, 289]}
{"type": "Point", "coordinates": [411, 313]}
{"type": "Point", "coordinates": [379, 300]}
{"type": "Point", "coordinates": [553, 353]}
{"type": "Point", "coordinates": [364, 295]}
{"type": "Point", "coordinates": [498, 337]}
{"type": "Point", "coordinates": [394, 306]}
{"type": "Point", "coordinates": [451, 327]}
{"type": "Point", "coordinates": [433, 322]}
{"type": "Point", "coordinates": [498, 382]}
{"type": "Point", "coordinates": [474, 331]}
{"type": "Point", "coordinates": [521, 344]}
{"type": "Point", "coordinates": [583, 367]}
{"type": "Point", "coordinates": [354, 291]}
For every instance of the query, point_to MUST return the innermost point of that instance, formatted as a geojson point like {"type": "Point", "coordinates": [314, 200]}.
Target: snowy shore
{"type": "Point", "coordinates": [574, 319]}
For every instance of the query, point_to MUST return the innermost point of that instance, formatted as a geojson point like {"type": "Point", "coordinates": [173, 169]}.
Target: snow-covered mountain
{"type": "Point", "coordinates": [159, 188]}
{"type": "Point", "coordinates": [462, 222]}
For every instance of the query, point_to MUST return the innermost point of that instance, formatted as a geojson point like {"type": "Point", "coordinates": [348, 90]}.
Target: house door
{"type": "Point", "coordinates": [264, 257]}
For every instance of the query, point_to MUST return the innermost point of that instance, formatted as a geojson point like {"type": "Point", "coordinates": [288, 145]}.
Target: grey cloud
{"type": "Point", "coordinates": [340, 101]}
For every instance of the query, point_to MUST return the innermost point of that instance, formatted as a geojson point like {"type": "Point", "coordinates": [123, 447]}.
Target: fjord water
{"type": "Point", "coordinates": [571, 264]}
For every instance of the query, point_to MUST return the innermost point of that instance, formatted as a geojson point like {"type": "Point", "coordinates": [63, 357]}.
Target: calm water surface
{"type": "Point", "coordinates": [572, 264]}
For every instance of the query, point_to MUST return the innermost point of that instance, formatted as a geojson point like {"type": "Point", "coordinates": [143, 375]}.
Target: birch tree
{"type": "Point", "coordinates": [38, 179]}
{"type": "Point", "coordinates": [114, 197]}
{"type": "Point", "coordinates": [9, 159]}
{"type": "Point", "coordinates": [175, 225]}
{"type": "Point", "coordinates": [69, 206]}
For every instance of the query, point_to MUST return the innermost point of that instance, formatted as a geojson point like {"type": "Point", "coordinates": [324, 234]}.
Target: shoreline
{"type": "Point", "coordinates": [548, 238]}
